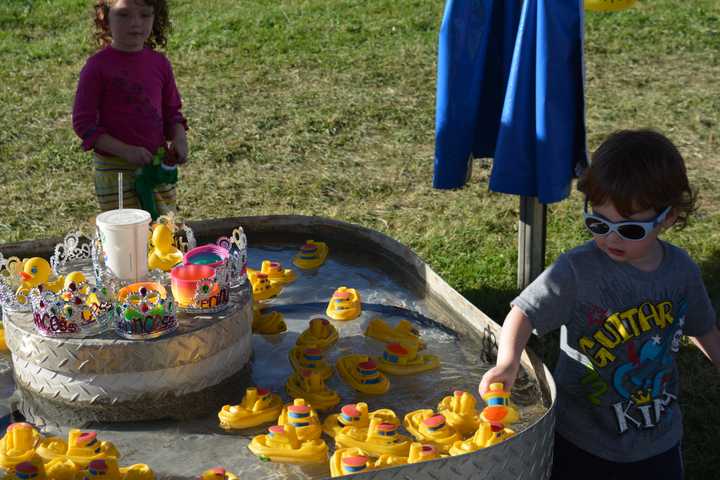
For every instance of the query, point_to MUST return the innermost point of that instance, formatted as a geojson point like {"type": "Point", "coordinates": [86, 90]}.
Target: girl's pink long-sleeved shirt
{"type": "Point", "coordinates": [131, 96]}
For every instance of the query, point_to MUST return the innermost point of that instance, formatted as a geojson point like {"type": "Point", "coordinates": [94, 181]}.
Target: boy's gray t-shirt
{"type": "Point", "coordinates": [617, 377]}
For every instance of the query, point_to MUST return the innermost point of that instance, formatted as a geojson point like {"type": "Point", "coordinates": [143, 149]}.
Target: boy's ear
{"type": "Point", "coordinates": [670, 219]}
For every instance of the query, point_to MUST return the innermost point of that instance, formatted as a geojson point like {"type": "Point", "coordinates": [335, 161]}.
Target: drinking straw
{"type": "Point", "coordinates": [120, 191]}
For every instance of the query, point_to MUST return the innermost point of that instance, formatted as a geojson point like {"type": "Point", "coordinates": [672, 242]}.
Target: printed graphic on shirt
{"type": "Point", "coordinates": [632, 355]}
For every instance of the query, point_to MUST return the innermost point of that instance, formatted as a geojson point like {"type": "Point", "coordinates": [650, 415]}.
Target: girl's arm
{"type": "Point", "coordinates": [174, 121]}
{"type": "Point", "coordinates": [709, 344]}
{"type": "Point", "coordinates": [514, 336]}
{"type": "Point", "coordinates": [132, 153]}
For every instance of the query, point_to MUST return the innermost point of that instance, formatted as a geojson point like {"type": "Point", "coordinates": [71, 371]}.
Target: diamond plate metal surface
{"type": "Point", "coordinates": [198, 337]}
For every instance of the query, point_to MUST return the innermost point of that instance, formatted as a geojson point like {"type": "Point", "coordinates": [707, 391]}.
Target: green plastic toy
{"type": "Point", "coordinates": [161, 171]}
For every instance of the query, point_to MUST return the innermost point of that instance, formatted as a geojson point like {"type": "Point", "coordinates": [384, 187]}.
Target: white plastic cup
{"type": "Point", "coordinates": [124, 236]}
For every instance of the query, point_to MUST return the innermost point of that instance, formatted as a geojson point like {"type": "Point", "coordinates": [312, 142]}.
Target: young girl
{"type": "Point", "coordinates": [624, 299]}
{"type": "Point", "coordinates": [127, 104]}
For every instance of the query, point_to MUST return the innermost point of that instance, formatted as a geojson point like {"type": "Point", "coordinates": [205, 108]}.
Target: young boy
{"type": "Point", "coordinates": [624, 298]}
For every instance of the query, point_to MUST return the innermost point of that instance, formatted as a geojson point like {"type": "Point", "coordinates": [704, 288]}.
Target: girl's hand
{"type": "Point", "coordinates": [179, 144]}
{"type": "Point", "coordinates": [136, 155]}
{"type": "Point", "coordinates": [505, 374]}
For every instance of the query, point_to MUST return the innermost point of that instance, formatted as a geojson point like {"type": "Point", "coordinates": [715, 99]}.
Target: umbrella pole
{"type": "Point", "coordinates": [531, 240]}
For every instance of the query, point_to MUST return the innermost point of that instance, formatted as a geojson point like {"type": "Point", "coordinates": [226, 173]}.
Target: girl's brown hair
{"type": "Point", "coordinates": [161, 23]}
{"type": "Point", "coordinates": [639, 170]}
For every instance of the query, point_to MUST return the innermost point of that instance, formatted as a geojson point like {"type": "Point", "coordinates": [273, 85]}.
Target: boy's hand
{"type": "Point", "coordinates": [505, 374]}
{"type": "Point", "coordinates": [137, 155]}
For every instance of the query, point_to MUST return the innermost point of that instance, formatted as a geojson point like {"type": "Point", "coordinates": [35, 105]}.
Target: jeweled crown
{"type": "Point", "coordinates": [77, 310]}
{"type": "Point", "coordinates": [144, 310]}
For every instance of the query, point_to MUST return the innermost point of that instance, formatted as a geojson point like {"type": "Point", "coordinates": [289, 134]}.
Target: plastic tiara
{"type": "Point", "coordinates": [144, 310]}
{"type": "Point", "coordinates": [78, 310]}
{"type": "Point", "coordinates": [183, 235]}
{"type": "Point", "coordinates": [236, 245]}
{"type": "Point", "coordinates": [10, 269]}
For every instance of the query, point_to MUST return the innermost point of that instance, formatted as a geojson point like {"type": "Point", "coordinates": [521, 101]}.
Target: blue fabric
{"type": "Point", "coordinates": [510, 86]}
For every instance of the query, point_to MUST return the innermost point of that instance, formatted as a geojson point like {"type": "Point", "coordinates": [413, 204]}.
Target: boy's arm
{"type": "Point", "coordinates": [515, 333]}
{"type": "Point", "coordinates": [709, 344]}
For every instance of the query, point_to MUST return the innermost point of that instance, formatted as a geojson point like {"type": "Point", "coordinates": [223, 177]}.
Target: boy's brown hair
{"type": "Point", "coordinates": [161, 23]}
{"type": "Point", "coordinates": [639, 170]}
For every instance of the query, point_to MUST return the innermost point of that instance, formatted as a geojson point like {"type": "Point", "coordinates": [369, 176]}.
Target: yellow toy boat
{"type": "Point", "coordinates": [422, 452]}
{"type": "Point", "coordinates": [26, 470]}
{"type": "Point", "coordinates": [498, 409]}
{"type": "Point", "coordinates": [258, 406]}
{"type": "Point", "coordinates": [303, 417]}
{"type": "Point", "coordinates": [275, 272]}
{"type": "Point", "coordinates": [381, 437]}
{"type": "Point", "coordinates": [430, 427]}
{"type": "Point", "coordinates": [460, 412]}
{"type": "Point", "coordinates": [217, 473]}
{"type": "Point", "coordinates": [404, 332]}
{"type": "Point", "coordinates": [163, 255]}
{"type": "Point", "coordinates": [84, 447]}
{"type": "Point", "coordinates": [485, 436]}
{"type": "Point", "coordinates": [400, 359]}
{"type": "Point", "coordinates": [361, 373]}
{"type": "Point", "coordinates": [344, 304]}
{"type": "Point", "coordinates": [312, 254]}
{"type": "Point", "coordinates": [262, 287]}
{"type": "Point", "coordinates": [320, 334]}
{"type": "Point", "coordinates": [281, 444]}
{"type": "Point", "coordinates": [310, 386]}
{"type": "Point", "coordinates": [107, 469]}
{"type": "Point", "coordinates": [18, 445]}
{"type": "Point", "coordinates": [270, 323]}
{"type": "Point", "coordinates": [348, 461]}
{"type": "Point", "coordinates": [310, 358]}
{"type": "Point", "coordinates": [356, 415]}
{"type": "Point", "coordinates": [51, 448]}
{"type": "Point", "coordinates": [61, 469]}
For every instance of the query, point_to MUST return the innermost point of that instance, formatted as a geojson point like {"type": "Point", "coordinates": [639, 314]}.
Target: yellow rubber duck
{"type": "Point", "coordinates": [422, 452]}
{"type": "Point", "coordinates": [107, 468]}
{"type": "Point", "coordinates": [320, 334]}
{"type": "Point", "coordinates": [217, 473]}
{"type": "Point", "coordinates": [76, 283]}
{"type": "Point", "coordinates": [309, 358]}
{"type": "Point", "coordinates": [311, 255]}
{"type": "Point", "coordinates": [486, 435]}
{"type": "Point", "coordinates": [84, 447]}
{"type": "Point", "coordinates": [262, 287]}
{"type": "Point", "coordinates": [310, 385]}
{"type": "Point", "coordinates": [275, 272]}
{"type": "Point", "coordinates": [608, 5]}
{"type": "Point", "coordinates": [404, 332]}
{"type": "Point", "coordinates": [281, 444]}
{"type": "Point", "coordinates": [35, 272]}
{"type": "Point", "coordinates": [381, 437]}
{"type": "Point", "coordinates": [460, 412]}
{"type": "Point", "coordinates": [361, 373]}
{"type": "Point", "coordinates": [270, 323]}
{"type": "Point", "coordinates": [430, 427]}
{"type": "Point", "coordinates": [400, 359]}
{"type": "Point", "coordinates": [303, 417]}
{"type": "Point", "coordinates": [349, 461]}
{"type": "Point", "coordinates": [344, 304]}
{"type": "Point", "coordinates": [258, 406]}
{"type": "Point", "coordinates": [498, 409]}
{"type": "Point", "coordinates": [18, 445]}
{"type": "Point", "coordinates": [356, 415]}
{"type": "Point", "coordinates": [163, 255]}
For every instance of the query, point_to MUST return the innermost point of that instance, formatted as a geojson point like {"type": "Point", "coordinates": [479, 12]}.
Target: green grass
{"type": "Point", "coordinates": [326, 107]}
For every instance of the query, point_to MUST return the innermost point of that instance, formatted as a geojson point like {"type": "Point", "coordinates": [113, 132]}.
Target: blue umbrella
{"type": "Point", "coordinates": [510, 86]}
